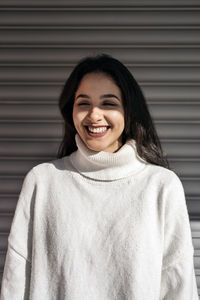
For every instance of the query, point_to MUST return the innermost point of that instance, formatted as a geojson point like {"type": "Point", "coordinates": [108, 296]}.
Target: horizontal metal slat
{"type": "Point", "coordinates": [29, 130]}
{"type": "Point", "coordinates": [98, 3]}
{"type": "Point", "coordinates": [11, 185]}
{"type": "Point", "coordinates": [24, 111]}
{"type": "Point", "coordinates": [191, 186]}
{"type": "Point", "coordinates": [193, 207]}
{"type": "Point", "coordinates": [7, 204]}
{"type": "Point", "coordinates": [179, 111]}
{"type": "Point", "coordinates": [66, 55]}
{"type": "Point", "coordinates": [2, 260]}
{"type": "Point", "coordinates": [186, 168]}
{"type": "Point", "coordinates": [18, 167]}
{"type": "Point", "coordinates": [196, 241]}
{"type": "Point", "coordinates": [3, 242]}
{"type": "Point", "coordinates": [196, 244]}
{"type": "Point", "coordinates": [1, 277]}
{"type": "Point", "coordinates": [166, 74]}
{"type": "Point", "coordinates": [178, 131]}
{"type": "Point", "coordinates": [97, 36]}
{"type": "Point", "coordinates": [141, 73]}
{"type": "Point", "coordinates": [25, 92]}
{"type": "Point", "coordinates": [197, 264]}
{"type": "Point", "coordinates": [5, 222]}
{"type": "Point", "coordinates": [29, 148]}
{"type": "Point", "coordinates": [181, 149]}
{"type": "Point", "coordinates": [195, 226]}
{"type": "Point", "coordinates": [172, 93]}
{"type": "Point", "coordinates": [96, 17]}
{"type": "Point", "coordinates": [101, 27]}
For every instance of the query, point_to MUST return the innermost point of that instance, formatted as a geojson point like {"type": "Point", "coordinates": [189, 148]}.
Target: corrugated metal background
{"type": "Point", "coordinates": [41, 41]}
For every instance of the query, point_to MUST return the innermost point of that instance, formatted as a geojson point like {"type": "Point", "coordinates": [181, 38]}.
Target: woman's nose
{"type": "Point", "coordinates": [95, 114]}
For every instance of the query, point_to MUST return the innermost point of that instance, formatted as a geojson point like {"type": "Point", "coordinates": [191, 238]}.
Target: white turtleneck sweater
{"type": "Point", "coordinates": [100, 226]}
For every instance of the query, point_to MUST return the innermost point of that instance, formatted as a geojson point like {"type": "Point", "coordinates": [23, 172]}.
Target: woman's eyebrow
{"type": "Point", "coordinates": [101, 97]}
{"type": "Point", "coordinates": [109, 96]}
{"type": "Point", "coordinates": [83, 96]}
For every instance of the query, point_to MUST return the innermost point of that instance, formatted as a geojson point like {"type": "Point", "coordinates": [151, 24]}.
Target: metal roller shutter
{"type": "Point", "coordinates": [41, 41]}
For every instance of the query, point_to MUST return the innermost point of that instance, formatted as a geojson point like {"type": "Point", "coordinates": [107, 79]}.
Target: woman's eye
{"type": "Point", "coordinates": [82, 103]}
{"type": "Point", "coordinates": [109, 103]}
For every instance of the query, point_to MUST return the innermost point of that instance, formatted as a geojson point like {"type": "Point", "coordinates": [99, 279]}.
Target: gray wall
{"type": "Point", "coordinates": [41, 41]}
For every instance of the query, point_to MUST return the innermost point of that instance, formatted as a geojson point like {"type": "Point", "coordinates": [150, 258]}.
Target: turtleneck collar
{"type": "Point", "coordinates": [106, 165]}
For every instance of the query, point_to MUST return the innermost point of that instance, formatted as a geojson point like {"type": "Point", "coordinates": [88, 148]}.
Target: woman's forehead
{"type": "Point", "coordinates": [99, 83]}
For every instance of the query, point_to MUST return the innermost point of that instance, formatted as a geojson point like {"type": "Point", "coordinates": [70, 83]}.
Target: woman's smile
{"type": "Point", "coordinates": [98, 112]}
{"type": "Point", "coordinates": [97, 131]}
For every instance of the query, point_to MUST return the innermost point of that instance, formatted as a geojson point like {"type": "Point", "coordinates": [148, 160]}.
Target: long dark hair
{"type": "Point", "coordinates": [138, 122]}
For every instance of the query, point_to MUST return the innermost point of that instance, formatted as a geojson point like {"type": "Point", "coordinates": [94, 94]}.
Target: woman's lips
{"type": "Point", "coordinates": [97, 131]}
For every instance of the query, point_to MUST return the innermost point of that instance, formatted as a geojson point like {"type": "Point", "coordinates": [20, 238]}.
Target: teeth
{"type": "Point", "coordinates": [97, 130]}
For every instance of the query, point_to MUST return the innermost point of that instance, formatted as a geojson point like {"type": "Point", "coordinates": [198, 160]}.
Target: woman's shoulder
{"type": "Point", "coordinates": [51, 167]}
{"type": "Point", "coordinates": [164, 175]}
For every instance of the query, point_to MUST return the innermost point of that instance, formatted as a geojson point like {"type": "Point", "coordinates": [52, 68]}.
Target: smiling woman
{"type": "Point", "coordinates": [107, 220]}
{"type": "Point", "coordinates": [99, 115]}
{"type": "Point", "coordinates": [129, 100]}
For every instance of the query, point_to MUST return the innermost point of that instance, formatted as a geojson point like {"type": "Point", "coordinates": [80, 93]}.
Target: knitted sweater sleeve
{"type": "Point", "coordinates": [178, 280]}
{"type": "Point", "coordinates": [15, 282]}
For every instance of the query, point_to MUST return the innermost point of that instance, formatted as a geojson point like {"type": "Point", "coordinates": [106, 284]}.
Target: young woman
{"type": "Point", "coordinates": [107, 220]}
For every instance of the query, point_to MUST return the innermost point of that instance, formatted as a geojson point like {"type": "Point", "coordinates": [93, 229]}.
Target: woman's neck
{"type": "Point", "coordinates": [106, 165]}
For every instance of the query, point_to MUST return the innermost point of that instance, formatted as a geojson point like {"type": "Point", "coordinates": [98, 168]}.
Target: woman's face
{"type": "Point", "coordinates": [98, 112]}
